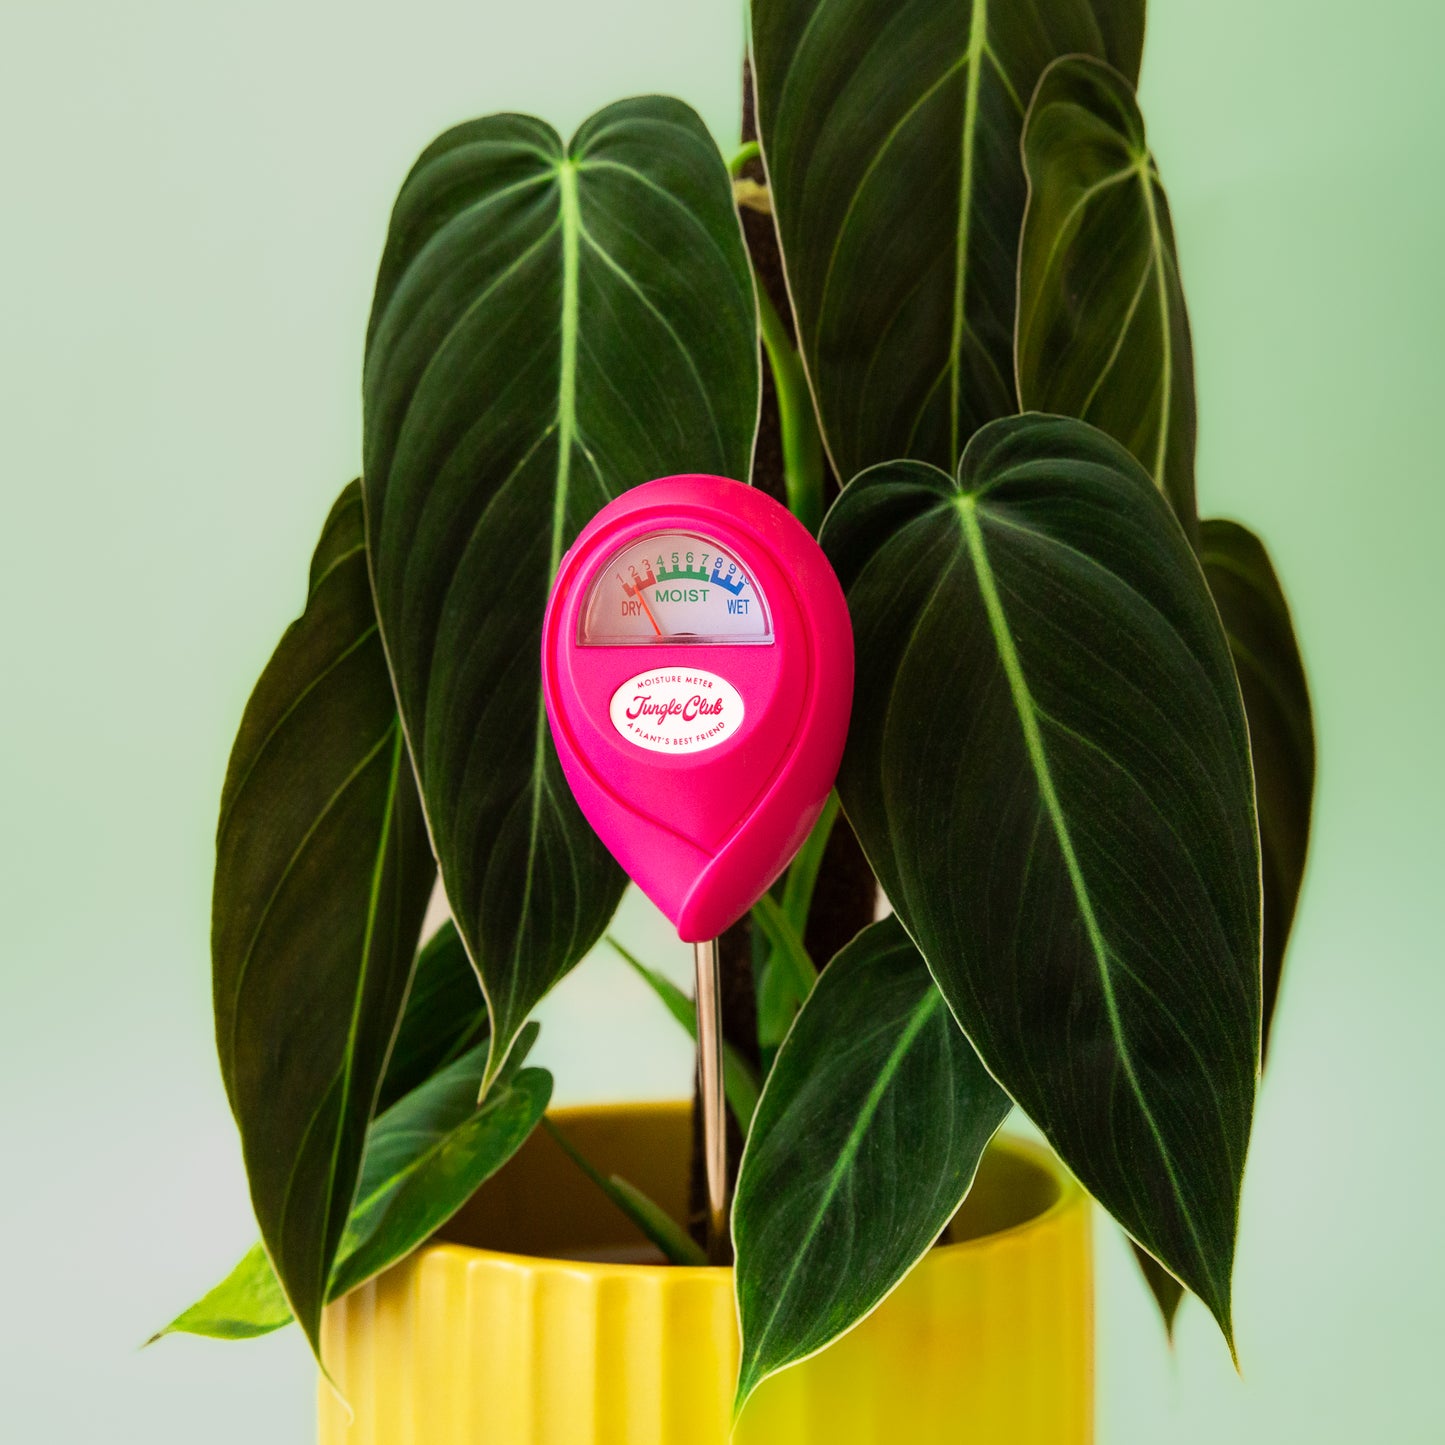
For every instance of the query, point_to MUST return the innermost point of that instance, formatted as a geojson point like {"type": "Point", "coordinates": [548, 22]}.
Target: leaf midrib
{"type": "Point", "coordinates": [977, 44]}
{"type": "Point", "coordinates": [921, 1014]}
{"type": "Point", "coordinates": [373, 908]}
{"type": "Point", "coordinates": [569, 219]}
{"type": "Point", "coordinates": [1166, 334]}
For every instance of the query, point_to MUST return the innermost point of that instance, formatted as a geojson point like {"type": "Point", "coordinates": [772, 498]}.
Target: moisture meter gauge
{"type": "Point", "coordinates": [697, 667]}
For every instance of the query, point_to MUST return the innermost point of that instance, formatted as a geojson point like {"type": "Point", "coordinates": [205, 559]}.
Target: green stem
{"type": "Point", "coordinates": [654, 1222]}
{"type": "Point", "coordinates": [802, 445]}
{"type": "Point", "coordinates": [740, 1079]}
{"type": "Point", "coordinates": [748, 151]}
{"type": "Point", "coordinates": [802, 875]}
{"type": "Point", "coordinates": [787, 944]}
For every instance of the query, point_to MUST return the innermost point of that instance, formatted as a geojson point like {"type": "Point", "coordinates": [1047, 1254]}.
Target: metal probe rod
{"type": "Point", "coordinates": [714, 1119]}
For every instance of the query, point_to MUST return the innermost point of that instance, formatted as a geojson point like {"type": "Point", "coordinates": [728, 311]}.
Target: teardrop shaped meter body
{"type": "Point", "coordinates": [697, 668]}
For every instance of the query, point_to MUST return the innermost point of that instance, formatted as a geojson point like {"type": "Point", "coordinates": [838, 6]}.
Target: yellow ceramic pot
{"type": "Point", "coordinates": [522, 1324]}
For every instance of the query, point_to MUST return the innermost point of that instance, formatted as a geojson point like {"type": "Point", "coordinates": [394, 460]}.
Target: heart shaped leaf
{"type": "Point", "coordinates": [424, 1159]}
{"type": "Point", "coordinates": [890, 129]}
{"type": "Point", "coordinates": [1049, 770]}
{"type": "Point", "coordinates": [322, 878]}
{"type": "Point", "coordinates": [1281, 727]}
{"type": "Point", "coordinates": [865, 1142]}
{"type": "Point", "coordinates": [1103, 333]}
{"type": "Point", "coordinates": [552, 324]}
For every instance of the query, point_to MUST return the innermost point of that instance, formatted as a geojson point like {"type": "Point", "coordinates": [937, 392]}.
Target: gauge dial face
{"type": "Point", "coordinates": [674, 587]}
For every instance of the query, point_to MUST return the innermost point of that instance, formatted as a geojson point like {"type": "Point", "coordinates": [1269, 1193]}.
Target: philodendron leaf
{"type": "Point", "coordinates": [1103, 333]}
{"type": "Point", "coordinates": [322, 878]}
{"type": "Point", "coordinates": [1281, 727]}
{"type": "Point", "coordinates": [890, 129]}
{"type": "Point", "coordinates": [864, 1145]}
{"type": "Point", "coordinates": [1048, 768]}
{"type": "Point", "coordinates": [424, 1159]}
{"type": "Point", "coordinates": [445, 1015]}
{"type": "Point", "coordinates": [1281, 734]}
{"type": "Point", "coordinates": [552, 324]}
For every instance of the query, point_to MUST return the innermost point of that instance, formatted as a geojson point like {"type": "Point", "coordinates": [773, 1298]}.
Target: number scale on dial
{"type": "Point", "coordinates": [675, 587]}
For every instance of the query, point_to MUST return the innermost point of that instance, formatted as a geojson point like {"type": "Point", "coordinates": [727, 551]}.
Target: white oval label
{"type": "Point", "coordinates": [676, 710]}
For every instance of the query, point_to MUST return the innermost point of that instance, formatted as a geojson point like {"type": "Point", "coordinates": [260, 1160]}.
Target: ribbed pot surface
{"type": "Point", "coordinates": [481, 1338]}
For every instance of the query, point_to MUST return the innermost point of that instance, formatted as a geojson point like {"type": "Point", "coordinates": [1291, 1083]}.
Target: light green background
{"type": "Point", "coordinates": [194, 201]}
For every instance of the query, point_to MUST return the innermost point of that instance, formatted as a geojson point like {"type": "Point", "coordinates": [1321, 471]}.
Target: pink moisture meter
{"type": "Point", "coordinates": [697, 663]}
{"type": "Point", "coordinates": [697, 666]}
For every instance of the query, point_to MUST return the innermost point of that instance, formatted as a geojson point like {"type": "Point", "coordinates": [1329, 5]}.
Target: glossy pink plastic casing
{"type": "Point", "coordinates": [704, 834]}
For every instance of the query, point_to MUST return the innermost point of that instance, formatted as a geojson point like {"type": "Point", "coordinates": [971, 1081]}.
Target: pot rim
{"type": "Point", "coordinates": [1068, 1198]}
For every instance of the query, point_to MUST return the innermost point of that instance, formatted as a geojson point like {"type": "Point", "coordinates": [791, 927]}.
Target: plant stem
{"type": "Point", "coordinates": [802, 446]}
{"type": "Point", "coordinates": [787, 943]}
{"type": "Point", "coordinates": [740, 1078]}
{"type": "Point", "coordinates": [802, 875]}
{"type": "Point", "coordinates": [655, 1223]}
{"type": "Point", "coordinates": [748, 151]}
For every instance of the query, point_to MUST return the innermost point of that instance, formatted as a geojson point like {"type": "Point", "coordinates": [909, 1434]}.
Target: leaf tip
{"type": "Point", "coordinates": [749, 1379]}
{"type": "Point", "coordinates": [1228, 1328]}
{"type": "Point", "coordinates": [346, 1406]}
{"type": "Point", "coordinates": [1223, 1312]}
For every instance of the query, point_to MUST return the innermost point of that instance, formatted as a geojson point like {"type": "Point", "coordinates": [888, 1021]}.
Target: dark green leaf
{"type": "Point", "coordinates": [551, 326]}
{"type": "Point", "coordinates": [654, 1222]}
{"type": "Point", "coordinates": [424, 1159]}
{"type": "Point", "coordinates": [1049, 770]}
{"type": "Point", "coordinates": [891, 134]}
{"type": "Point", "coordinates": [445, 1015]}
{"type": "Point", "coordinates": [322, 878]}
{"type": "Point", "coordinates": [740, 1080]}
{"type": "Point", "coordinates": [1281, 728]}
{"type": "Point", "coordinates": [1281, 731]}
{"type": "Point", "coordinates": [865, 1143]}
{"type": "Point", "coordinates": [1103, 333]}
{"type": "Point", "coordinates": [247, 1303]}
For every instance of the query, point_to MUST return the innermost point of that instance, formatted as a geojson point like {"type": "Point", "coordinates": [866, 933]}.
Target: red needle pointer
{"type": "Point", "coordinates": [648, 610]}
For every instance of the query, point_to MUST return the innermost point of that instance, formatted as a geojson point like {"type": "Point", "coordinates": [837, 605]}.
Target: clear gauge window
{"type": "Point", "coordinates": [674, 587]}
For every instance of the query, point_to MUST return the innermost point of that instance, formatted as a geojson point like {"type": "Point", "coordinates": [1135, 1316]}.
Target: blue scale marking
{"type": "Point", "coordinates": [728, 583]}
